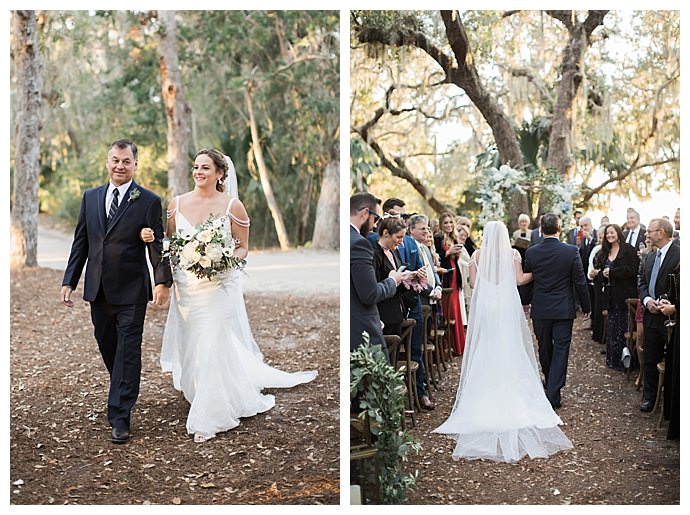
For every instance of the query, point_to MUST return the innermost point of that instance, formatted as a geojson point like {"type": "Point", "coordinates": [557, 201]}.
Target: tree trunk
{"type": "Point", "coordinates": [561, 136]}
{"type": "Point", "coordinates": [263, 172]}
{"type": "Point", "coordinates": [24, 218]}
{"type": "Point", "coordinates": [177, 111]}
{"type": "Point", "coordinates": [326, 234]}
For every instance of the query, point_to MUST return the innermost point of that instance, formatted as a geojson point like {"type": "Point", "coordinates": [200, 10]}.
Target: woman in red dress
{"type": "Point", "coordinates": [448, 247]}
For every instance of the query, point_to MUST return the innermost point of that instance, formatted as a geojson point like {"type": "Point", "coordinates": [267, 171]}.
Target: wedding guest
{"type": "Point", "coordinates": [634, 233]}
{"type": "Point", "coordinates": [464, 262]}
{"type": "Point", "coordinates": [537, 236]}
{"type": "Point", "coordinates": [671, 308]}
{"type": "Point", "coordinates": [463, 221]}
{"type": "Point", "coordinates": [588, 241]}
{"type": "Point", "coordinates": [598, 298]}
{"type": "Point", "coordinates": [521, 241]}
{"type": "Point", "coordinates": [419, 229]}
{"type": "Point", "coordinates": [604, 220]}
{"type": "Point", "coordinates": [409, 253]}
{"type": "Point", "coordinates": [572, 237]}
{"type": "Point", "coordinates": [652, 283]}
{"type": "Point", "coordinates": [448, 247]}
{"type": "Point", "coordinates": [365, 290]}
{"type": "Point", "coordinates": [615, 271]}
{"type": "Point", "coordinates": [387, 259]}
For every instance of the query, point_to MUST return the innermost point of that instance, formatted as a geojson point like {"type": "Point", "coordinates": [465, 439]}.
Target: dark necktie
{"type": "Point", "coordinates": [630, 237]}
{"type": "Point", "coordinates": [655, 273]}
{"type": "Point", "coordinates": [113, 205]}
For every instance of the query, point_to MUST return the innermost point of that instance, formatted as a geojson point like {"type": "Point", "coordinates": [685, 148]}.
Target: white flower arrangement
{"type": "Point", "coordinates": [494, 185]}
{"type": "Point", "coordinates": [206, 252]}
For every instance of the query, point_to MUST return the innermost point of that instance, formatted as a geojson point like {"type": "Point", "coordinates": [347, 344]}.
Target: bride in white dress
{"type": "Point", "coordinates": [208, 344]}
{"type": "Point", "coordinates": [501, 412]}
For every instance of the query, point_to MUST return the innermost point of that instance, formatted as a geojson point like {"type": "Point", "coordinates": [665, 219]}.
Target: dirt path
{"type": "Point", "coordinates": [619, 455]}
{"type": "Point", "coordinates": [60, 450]}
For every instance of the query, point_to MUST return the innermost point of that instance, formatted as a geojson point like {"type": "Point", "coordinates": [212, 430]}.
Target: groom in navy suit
{"type": "Point", "coordinates": [557, 271]}
{"type": "Point", "coordinates": [117, 282]}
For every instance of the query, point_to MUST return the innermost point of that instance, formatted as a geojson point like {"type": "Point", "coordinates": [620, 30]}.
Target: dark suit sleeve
{"type": "Point", "coordinates": [578, 278]}
{"type": "Point", "coordinates": [642, 284]}
{"type": "Point", "coordinates": [161, 266]}
{"type": "Point", "coordinates": [527, 263]}
{"type": "Point", "coordinates": [367, 289]}
{"type": "Point", "coordinates": [79, 252]}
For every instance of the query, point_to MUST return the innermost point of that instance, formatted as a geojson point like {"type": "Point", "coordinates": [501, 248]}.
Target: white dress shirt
{"type": "Point", "coordinates": [109, 195]}
{"type": "Point", "coordinates": [663, 251]}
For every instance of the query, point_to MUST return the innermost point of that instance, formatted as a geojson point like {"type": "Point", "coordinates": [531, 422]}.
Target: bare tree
{"type": "Point", "coordinates": [263, 170]}
{"type": "Point", "coordinates": [24, 218]}
{"type": "Point", "coordinates": [326, 234]}
{"type": "Point", "coordinates": [177, 111]}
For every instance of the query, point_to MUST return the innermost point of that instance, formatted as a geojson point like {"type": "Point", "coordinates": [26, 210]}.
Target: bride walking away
{"type": "Point", "coordinates": [501, 412]}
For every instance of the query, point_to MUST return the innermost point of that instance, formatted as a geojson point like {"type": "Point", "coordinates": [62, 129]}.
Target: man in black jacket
{"type": "Point", "coordinates": [652, 283]}
{"type": "Point", "coordinates": [117, 282]}
{"type": "Point", "coordinates": [557, 271]}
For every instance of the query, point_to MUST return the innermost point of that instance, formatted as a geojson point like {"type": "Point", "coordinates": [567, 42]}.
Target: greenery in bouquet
{"type": "Point", "coordinates": [206, 251]}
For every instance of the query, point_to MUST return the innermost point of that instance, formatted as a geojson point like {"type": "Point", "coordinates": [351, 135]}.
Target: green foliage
{"type": "Point", "coordinates": [382, 396]}
{"type": "Point", "coordinates": [102, 82]}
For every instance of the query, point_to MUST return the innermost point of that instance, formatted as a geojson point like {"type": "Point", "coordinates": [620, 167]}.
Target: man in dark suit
{"type": "Point", "coordinates": [117, 282]}
{"type": "Point", "coordinates": [365, 291]}
{"type": "Point", "coordinates": [653, 282]}
{"type": "Point", "coordinates": [572, 233]}
{"type": "Point", "coordinates": [537, 236]}
{"type": "Point", "coordinates": [587, 243]}
{"type": "Point", "coordinates": [634, 233]}
{"type": "Point", "coordinates": [557, 271]}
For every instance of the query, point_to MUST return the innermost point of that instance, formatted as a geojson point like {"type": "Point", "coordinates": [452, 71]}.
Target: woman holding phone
{"type": "Point", "coordinates": [449, 248]}
{"type": "Point", "coordinates": [386, 258]}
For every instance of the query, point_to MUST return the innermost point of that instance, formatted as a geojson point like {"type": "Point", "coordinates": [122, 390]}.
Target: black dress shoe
{"type": "Point", "coordinates": [646, 406]}
{"type": "Point", "coordinates": [119, 435]}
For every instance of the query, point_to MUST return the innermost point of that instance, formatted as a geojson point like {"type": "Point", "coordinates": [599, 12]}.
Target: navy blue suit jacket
{"type": "Point", "coordinates": [365, 292]}
{"type": "Point", "coordinates": [116, 257]}
{"type": "Point", "coordinates": [557, 270]}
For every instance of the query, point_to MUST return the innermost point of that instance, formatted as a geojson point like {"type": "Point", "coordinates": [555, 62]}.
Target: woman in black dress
{"type": "Point", "coordinates": [615, 267]}
{"type": "Point", "coordinates": [386, 258]}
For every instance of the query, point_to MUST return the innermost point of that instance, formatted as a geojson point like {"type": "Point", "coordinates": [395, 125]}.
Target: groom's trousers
{"type": "Point", "coordinates": [118, 330]}
{"type": "Point", "coordinates": [554, 338]}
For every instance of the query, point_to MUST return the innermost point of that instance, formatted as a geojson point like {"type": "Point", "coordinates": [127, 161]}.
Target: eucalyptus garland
{"type": "Point", "coordinates": [381, 392]}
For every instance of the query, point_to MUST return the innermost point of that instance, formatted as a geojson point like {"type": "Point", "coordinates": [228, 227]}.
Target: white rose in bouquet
{"type": "Point", "coordinates": [191, 253]}
{"type": "Point", "coordinates": [205, 236]}
{"type": "Point", "coordinates": [205, 261]}
{"type": "Point", "coordinates": [214, 252]}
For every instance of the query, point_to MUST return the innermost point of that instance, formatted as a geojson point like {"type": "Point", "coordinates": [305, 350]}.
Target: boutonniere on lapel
{"type": "Point", "coordinates": [134, 194]}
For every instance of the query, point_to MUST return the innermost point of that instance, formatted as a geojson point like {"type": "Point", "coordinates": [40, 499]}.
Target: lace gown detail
{"type": "Point", "coordinates": [209, 348]}
{"type": "Point", "coordinates": [501, 412]}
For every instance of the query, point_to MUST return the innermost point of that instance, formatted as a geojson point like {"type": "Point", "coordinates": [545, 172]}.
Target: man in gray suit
{"type": "Point", "coordinates": [418, 226]}
{"type": "Point", "coordinates": [365, 291]}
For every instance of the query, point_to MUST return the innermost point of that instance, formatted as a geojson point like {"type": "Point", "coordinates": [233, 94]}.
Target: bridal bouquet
{"type": "Point", "coordinates": [206, 251]}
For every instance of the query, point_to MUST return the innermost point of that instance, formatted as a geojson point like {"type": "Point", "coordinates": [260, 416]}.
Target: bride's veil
{"type": "Point", "coordinates": [231, 179]}
{"type": "Point", "coordinates": [496, 257]}
{"type": "Point", "coordinates": [496, 320]}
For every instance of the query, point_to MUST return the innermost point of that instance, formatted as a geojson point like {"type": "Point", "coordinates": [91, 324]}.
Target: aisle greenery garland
{"type": "Point", "coordinates": [380, 391]}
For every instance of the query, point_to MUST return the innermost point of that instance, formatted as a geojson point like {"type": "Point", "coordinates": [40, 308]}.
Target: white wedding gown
{"type": "Point", "coordinates": [501, 412]}
{"type": "Point", "coordinates": [209, 348]}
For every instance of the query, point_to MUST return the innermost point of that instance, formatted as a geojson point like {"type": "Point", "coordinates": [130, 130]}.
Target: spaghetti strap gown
{"type": "Point", "coordinates": [209, 348]}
